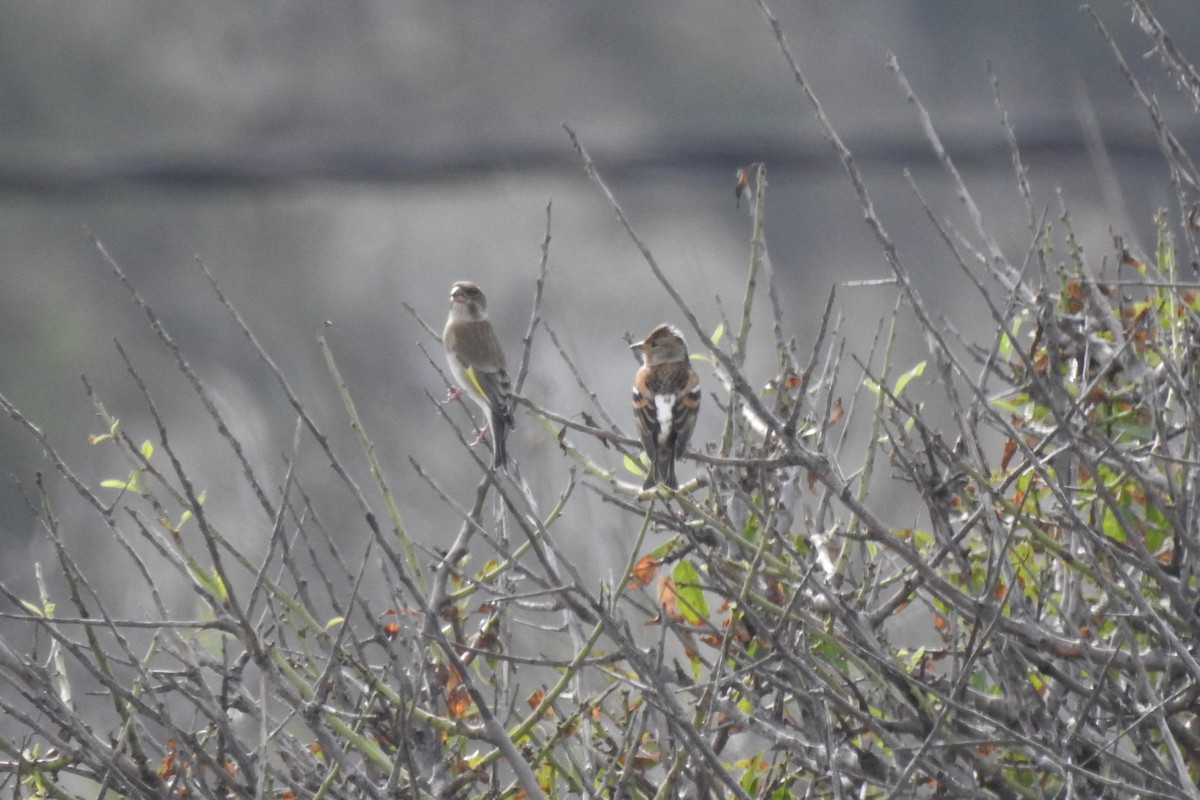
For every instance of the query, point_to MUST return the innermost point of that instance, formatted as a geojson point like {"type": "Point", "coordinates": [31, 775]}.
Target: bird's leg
{"type": "Point", "coordinates": [480, 435]}
{"type": "Point", "coordinates": [452, 395]}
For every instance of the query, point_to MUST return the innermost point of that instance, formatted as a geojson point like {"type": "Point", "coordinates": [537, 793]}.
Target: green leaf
{"type": "Point", "coordinates": [188, 513]}
{"type": "Point", "coordinates": [663, 550]}
{"type": "Point", "coordinates": [633, 466]}
{"type": "Point", "coordinates": [1008, 339]}
{"type": "Point", "coordinates": [750, 774]}
{"type": "Point", "coordinates": [37, 611]}
{"type": "Point", "coordinates": [147, 449]}
{"type": "Point", "coordinates": [112, 434]}
{"type": "Point", "coordinates": [750, 529]}
{"type": "Point", "coordinates": [718, 333]}
{"type": "Point", "coordinates": [1013, 407]}
{"type": "Point", "coordinates": [334, 622]}
{"type": "Point", "coordinates": [1154, 539]}
{"type": "Point", "coordinates": [688, 593]}
{"type": "Point", "coordinates": [903, 380]}
{"type": "Point", "coordinates": [1157, 532]}
{"type": "Point", "coordinates": [130, 485]}
{"type": "Point", "coordinates": [922, 538]}
{"type": "Point", "coordinates": [211, 581]}
{"type": "Point", "coordinates": [1021, 557]}
{"type": "Point", "coordinates": [916, 658]}
{"type": "Point", "coordinates": [1112, 526]}
{"type": "Point", "coordinates": [833, 650]}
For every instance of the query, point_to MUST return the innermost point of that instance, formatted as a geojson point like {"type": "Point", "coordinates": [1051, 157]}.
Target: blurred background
{"type": "Point", "coordinates": [331, 162]}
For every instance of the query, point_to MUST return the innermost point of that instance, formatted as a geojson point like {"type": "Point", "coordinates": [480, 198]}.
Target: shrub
{"type": "Point", "coordinates": [760, 650]}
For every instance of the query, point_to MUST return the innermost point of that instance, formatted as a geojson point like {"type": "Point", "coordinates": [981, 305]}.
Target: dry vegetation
{"type": "Point", "coordinates": [750, 655]}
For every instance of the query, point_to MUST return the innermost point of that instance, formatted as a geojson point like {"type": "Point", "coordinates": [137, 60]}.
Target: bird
{"type": "Point", "coordinates": [476, 361]}
{"type": "Point", "coordinates": [666, 400]}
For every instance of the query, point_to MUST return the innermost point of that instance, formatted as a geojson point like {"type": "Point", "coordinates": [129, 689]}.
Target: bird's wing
{"type": "Point", "coordinates": [685, 411]}
{"type": "Point", "coordinates": [644, 413]}
{"type": "Point", "coordinates": [478, 351]}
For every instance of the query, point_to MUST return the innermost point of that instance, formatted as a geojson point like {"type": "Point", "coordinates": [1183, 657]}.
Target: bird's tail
{"type": "Point", "coordinates": [500, 425]}
{"type": "Point", "coordinates": [662, 470]}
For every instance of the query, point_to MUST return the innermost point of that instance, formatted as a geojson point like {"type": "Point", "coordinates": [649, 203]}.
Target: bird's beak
{"type": "Point", "coordinates": [458, 296]}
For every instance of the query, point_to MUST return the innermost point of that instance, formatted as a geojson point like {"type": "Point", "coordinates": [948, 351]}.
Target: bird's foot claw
{"type": "Point", "coordinates": [480, 435]}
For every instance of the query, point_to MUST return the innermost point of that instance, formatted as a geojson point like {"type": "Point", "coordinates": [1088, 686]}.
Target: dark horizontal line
{"type": "Point", "coordinates": [354, 165]}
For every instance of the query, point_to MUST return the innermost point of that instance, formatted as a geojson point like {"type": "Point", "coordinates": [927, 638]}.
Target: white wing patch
{"type": "Point", "coordinates": [664, 404]}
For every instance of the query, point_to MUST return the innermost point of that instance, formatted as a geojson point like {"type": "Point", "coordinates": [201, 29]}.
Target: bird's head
{"type": "Point", "coordinates": [664, 345]}
{"type": "Point", "coordinates": [468, 297]}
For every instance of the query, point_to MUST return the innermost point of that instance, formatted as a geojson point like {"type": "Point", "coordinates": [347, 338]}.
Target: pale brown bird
{"type": "Point", "coordinates": [476, 361]}
{"type": "Point", "coordinates": [666, 400]}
